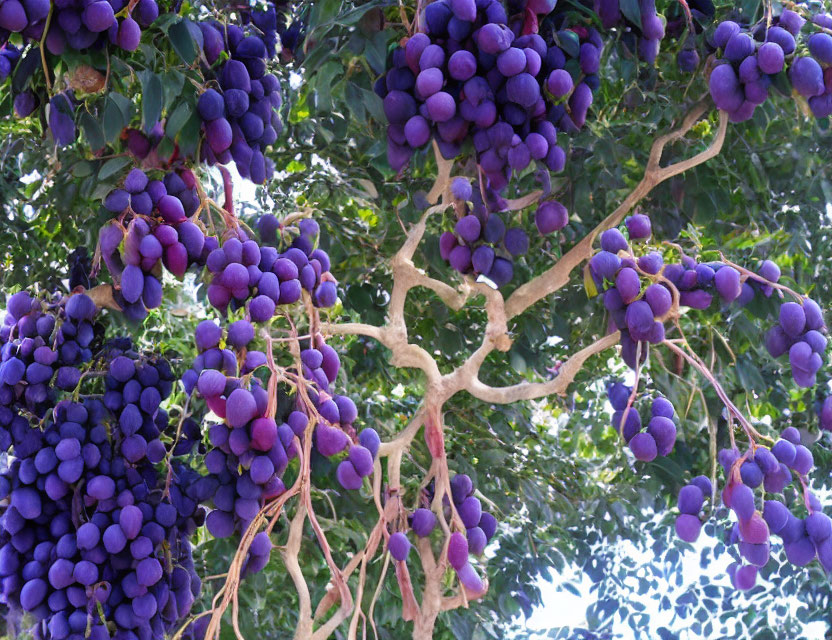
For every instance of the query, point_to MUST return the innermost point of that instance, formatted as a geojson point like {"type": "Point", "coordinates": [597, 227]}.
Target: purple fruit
{"type": "Point", "coordinates": [792, 319]}
{"type": "Point", "coordinates": [659, 298]}
{"type": "Point", "coordinates": [688, 527]}
{"type": "Point", "coordinates": [398, 546]}
{"type": "Point", "coordinates": [129, 34]}
{"type": "Point", "coordinates": [638, 226]}
{"type": "Point", "coordinates": [613, 240]}
{"type": "Point", "coordinates": [550, 216]}
{"type": "Point", "coordinates": [725, 88]}
{"type": "Point", "coordinates": [770, 58]}
{"type": "Point", "coordinates": [664, 433]}
{"type": "Point", "coordinates": [423, 522]}
{"type": "Point", "coordinates": [98, 16]}
{"type": "Point", "coordinates": [643, 446]}
{"type": "Point", "coordinates": [348, 476]}
{"type": "Point", "coordinates": [457, 550]}
{"type": "Point", "coordinates": [806, 76]}
{"type": "Point", "coordinates": [727, 283]}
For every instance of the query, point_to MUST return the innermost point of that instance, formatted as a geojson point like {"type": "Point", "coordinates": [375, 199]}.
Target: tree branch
{"type": "Point", "coordinates": [559, 274]}
{"type": "Point", "coordinates": [533, 390]}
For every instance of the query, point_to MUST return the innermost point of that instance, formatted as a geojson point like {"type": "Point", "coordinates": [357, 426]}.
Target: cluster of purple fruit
{"type": "Point", "coordinates": [90, 542]}
{"type": "Point", "coordinates": [240, 115]}
{"type": "Point", "coordinates": [640, 314]}
{"type": "Point", "coordinates": [158, 233]}
{"type": "Point", "coordinates": [481, 244]}
{"type": "Point", "coordinates": [335, 415]}
{"type": "Point", "coordinates": [42, 346]}
{"type": "Point", "coordinates": [480, 527]}
{"type": "Point", "coordinates": [244, 272]}
{"type": "Point", "coordinates": [659, 437]}
{"type": "Point", "coordinates": [135, 389]}
{"type": "Point", "coordinates": [751, 57]}
{"type": "Point", "coordinates": [691, 498]}
{"type": "Point", "coordinates": [469, 74]}
{"type": "Point", "coordinates": [800, 333]}
{"type": "Point", "coordinates": [276, 22]}
{"type": "Point", "coordinates": [250, 451]}
{"type": "Point", "coordinates": [78, 24]}
{"type": "Point", "coordinates": [649, 33]}
{"type": "Point", "coordinates": [804, 539]}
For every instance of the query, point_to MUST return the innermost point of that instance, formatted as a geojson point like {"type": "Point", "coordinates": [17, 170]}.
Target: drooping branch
{"type": "Point", "coordinates": [533, 390]}
{"type": "Point", "coordinates": [559, 274]}
{"type": "Point", "coordinates": [440, 388]}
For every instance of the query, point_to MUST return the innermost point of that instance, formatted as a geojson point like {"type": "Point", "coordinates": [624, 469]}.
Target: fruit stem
{"type": "Point", "coordinates": [43, 50]}
{"type": "Point", "coordinates": [694, 360]}
{"type": "Point", "coordinates": [754, 276]}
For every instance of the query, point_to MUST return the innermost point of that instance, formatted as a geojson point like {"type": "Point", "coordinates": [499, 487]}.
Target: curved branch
{"type": "Point", "coordinates": [559, 274]}
{"type": "Point", "coordinates": [404, 353]}
{"type": "Point", "coordinates": [532, 390]}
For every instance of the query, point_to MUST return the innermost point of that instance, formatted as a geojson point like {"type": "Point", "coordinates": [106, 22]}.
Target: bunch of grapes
{"type": "Point", "coordinates": [752, 57]}
{"type": "Point", "coordinates": [800, 332]}
{"type": "Point", "coordinates": [42, 346]}
{"type": "Point", "coordinates": [640, 311]}
{"type": "Point", "coordinates": [480, 243]}
{"type": "Point", "coordinates": [9, 55]}
{"type": "Point", "coordinates": [152, 229]}
{"type": "Point", "coordinates": [335, 415]}
{"type": "Point", "coordinates": [480, 527]}
{"type": "Point", "coordinates": [240, 116]}
{"type": "Point", "coordinates": [469, 75]}
{"type": "Point", "coordinates": [244, 272]}
{"type": "Point", "coordinates": [659, 437]}
{"type": "Point", "coordinates": [250, 452]}
{"type": "Point", "coordinates": [77, 24]}
{"type": "Point", "coordinates": [135, 389]}
{"type": "Point", "coordinates": [774, 470]}
{"type": "Point", "coordinates": [571, 69]}
{"type": "Point", "coordinates": [93, 540]}
{"type": "Point", "coordinates": [278, 21]}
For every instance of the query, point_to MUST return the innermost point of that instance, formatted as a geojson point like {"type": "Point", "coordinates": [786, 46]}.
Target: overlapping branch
{"type": "Point", "coordinates": [440, 388]}
{"type": "Point", "coordinates": [559, 274]}
{"type": "Point", "coordinates": [393, 334]}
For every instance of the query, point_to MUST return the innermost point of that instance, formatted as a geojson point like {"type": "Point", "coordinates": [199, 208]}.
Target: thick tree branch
{"type": "Point", "coordinates": [559, 274]}
{"type": "Point", "coordinates": [440, 388]}
{"type": "Point", "coordinates": [533, 390]}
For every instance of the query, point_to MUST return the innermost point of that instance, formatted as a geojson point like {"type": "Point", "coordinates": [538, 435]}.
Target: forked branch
{"type": "Point", "coordinates": [559, 274]}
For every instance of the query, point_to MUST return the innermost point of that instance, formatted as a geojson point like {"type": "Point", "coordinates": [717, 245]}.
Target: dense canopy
{"type": "Point", "coordinates": [385, 319]}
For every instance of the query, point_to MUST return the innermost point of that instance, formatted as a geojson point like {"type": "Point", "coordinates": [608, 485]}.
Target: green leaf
{"type": "Point", "coordinates": [112, 166]}
{"type": "Point", "coordinates": [189, 134]}
{"type": "Point", "coordinates": [182, 40]}
{"type": "Point", "coordinates": [177, 120]}
{"type": "Point", "coordinates": [125, 105]}
{"type": "Point", "coordinates": [151, 99]}
{"type": "Point", "coordinates": [376, 51]}
{"type": "Point", "coordinates": [113, 120]}
{"type": "Point", "coordinates": [172, 83]}
{"type": "Point", "coordinates": [631, 10]}
{"type": "Point", "coordinates": [92, 131]}
{"type": "Point", "coordinates": [569, 42]}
